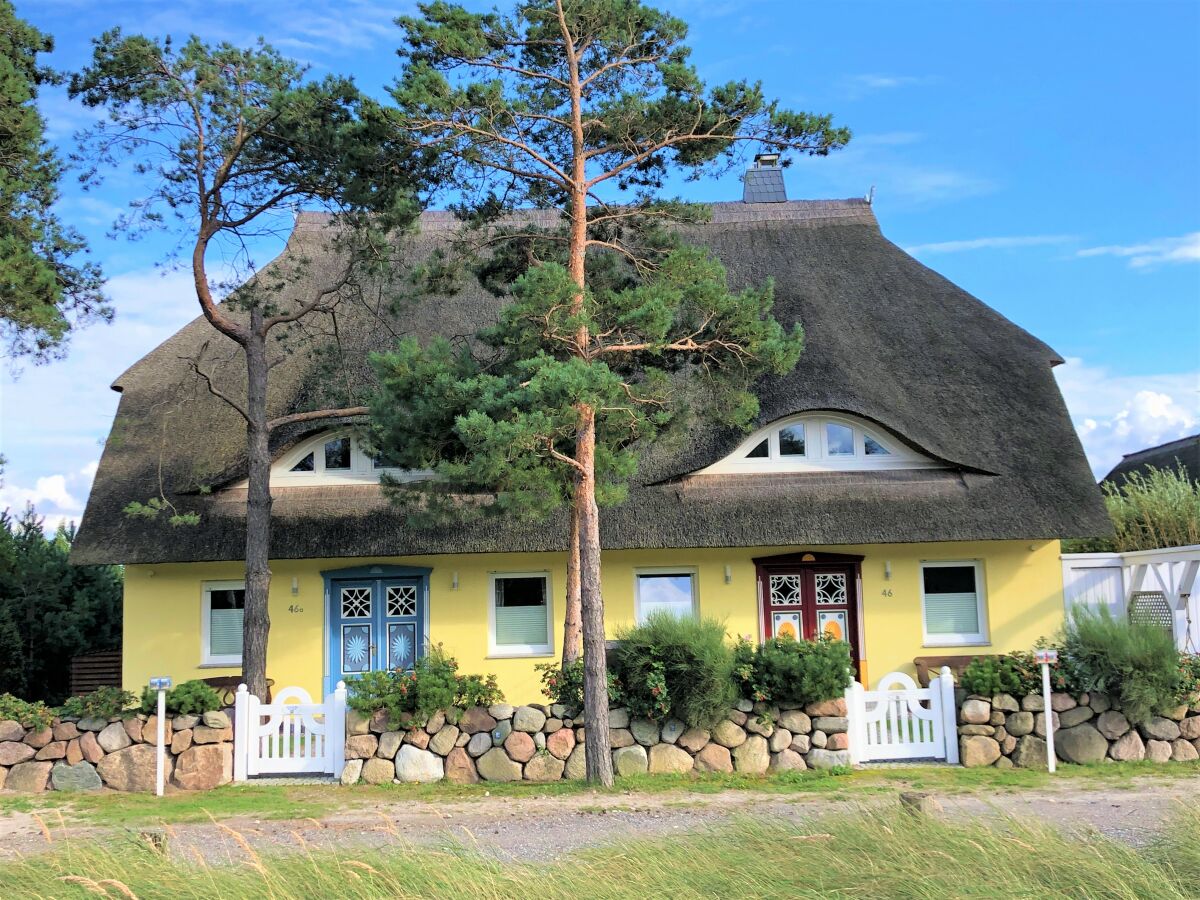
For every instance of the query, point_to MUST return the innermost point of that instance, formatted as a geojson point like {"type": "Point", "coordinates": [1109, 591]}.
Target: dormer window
{"type": "Point", "coordinates": [333, 458]}
{"type": "Point", "coordinates": [817, 442]}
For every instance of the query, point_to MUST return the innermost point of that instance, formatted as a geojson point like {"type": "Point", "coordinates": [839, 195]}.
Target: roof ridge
{"type": "Point", "coordinates": [723, 212]}
{"type": "Point", "coordinates": [1162, 446]}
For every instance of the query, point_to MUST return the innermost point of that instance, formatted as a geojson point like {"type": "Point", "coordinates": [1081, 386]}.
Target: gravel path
{"type": "Point", "coordinates": [548, 828]}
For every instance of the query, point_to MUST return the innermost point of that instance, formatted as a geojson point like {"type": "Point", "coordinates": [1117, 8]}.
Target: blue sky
{"type": "Point", "coordinates": [1043, 155]}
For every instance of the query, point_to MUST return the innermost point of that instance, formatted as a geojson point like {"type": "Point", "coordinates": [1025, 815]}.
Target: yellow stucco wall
{"type": "Point", "coordinates": [1023, 583]}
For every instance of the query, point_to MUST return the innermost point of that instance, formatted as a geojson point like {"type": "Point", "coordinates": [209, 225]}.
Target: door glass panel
{"type": "Point", "coordinates": [831, 588]}
{"type": "Point", "coordinates": [785, 590]}
{"type": "Point", "coordinates": [402, 600]}
{"type": "Point", "coordinates": [839, 439]}
{"type": "Point", "coordinates": [356, 648]}
{"type": "Point", "coordinates": [402, 642]}
{"type": "Point", "coordinates": [832, 624]}
{"type": "Point", "coordinates": [787, 624]}
{"type": "Point", "coordinates": [356, 603]}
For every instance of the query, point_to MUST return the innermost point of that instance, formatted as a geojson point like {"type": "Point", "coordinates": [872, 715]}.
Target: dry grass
{"type": "Point", "coordinates": [847, 855]}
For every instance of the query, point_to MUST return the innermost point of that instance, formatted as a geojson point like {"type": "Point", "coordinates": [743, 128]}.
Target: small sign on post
{"type": "Point", "coordinates": [161, 684]}
{"type": "Point", "coordinates": [1047, 658]}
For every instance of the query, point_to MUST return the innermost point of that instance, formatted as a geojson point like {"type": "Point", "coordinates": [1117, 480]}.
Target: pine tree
{"type": "Point", "coordinates": [231, 141]}
{"type": "Point", "coordinates": [47, 286]}
{"type": "Point", "coordinates": [567, 105]}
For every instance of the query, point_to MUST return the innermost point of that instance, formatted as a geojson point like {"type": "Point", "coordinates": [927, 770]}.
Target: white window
{"type": "Point", "coordinates": [221, 607]}
{"type": "Point", "coordinates": [953, 604]}
{"type": "Point", "coordinates": [821, 442]}
{"type": "Point", "coordinates": [332, 458]}
{"type": "Point", "coordinates": [664, 590]}
{"type": "Point", "coordinates": [520, 617]}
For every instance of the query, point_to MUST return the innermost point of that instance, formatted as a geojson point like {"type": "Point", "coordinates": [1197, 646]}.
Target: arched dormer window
{"type": "Point", "coordinates": [331, 458]}
{"type": "Point", "coordinates": [820, 442]}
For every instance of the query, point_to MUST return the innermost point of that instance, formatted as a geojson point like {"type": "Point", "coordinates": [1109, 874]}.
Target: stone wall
{"type": "Point", "coordinates": [546, 743]}
{"type": "Point", "coordinates": [1006, 731]}
{"type": "Point", "coordinates": [118, 753]}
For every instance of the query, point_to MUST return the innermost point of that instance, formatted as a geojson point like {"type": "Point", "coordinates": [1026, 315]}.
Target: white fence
{"type": "Point", "coordinates": [1114, 579]}
{"type": "Point", "coordinates": [289, 736]}
{"type": "Point", "coordinates": [899, 720]}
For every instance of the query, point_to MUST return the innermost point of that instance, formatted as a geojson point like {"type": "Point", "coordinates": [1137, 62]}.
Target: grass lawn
{"type": "Point", "coordinates": [303, 801]}
{"type": "Point", "coordinates": [842, 855]}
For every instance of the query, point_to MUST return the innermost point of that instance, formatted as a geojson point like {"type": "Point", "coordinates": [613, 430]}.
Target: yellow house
{"type": "Point", "coordinates": [905, 489]}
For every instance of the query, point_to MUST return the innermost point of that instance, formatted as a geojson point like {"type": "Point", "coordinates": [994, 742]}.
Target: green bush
{"type": "Point", "coordinates": [31, 715]}
{"type": "Point", "coordinates": [678, 667]}
{"type": "Point", "coordinates": [189, 698]}
{"type": "Point", "coordinates": [1136, 664]}
{"type": "Point", "coordinates": [784, 670]}
{"type": "Point", "coordinates": [104, 703]}
{"type": "Point", "coordinates": [477, 690]}
{"type": "Point", "coordinates": [1160, 508]}
{"type": "Point", "coordinates": [564, 684]}
{"type": "Point", "coordinates": [431, 685]}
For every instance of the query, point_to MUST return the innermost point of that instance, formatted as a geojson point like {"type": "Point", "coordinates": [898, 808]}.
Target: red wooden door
{"type": "Point", "coordinates": [806, 599]}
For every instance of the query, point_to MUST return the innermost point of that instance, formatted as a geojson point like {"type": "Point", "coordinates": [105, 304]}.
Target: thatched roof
{"type": "Point", "coordinates": [1184, 453]}
{"type": "Point", "coordinates": [887, 339]}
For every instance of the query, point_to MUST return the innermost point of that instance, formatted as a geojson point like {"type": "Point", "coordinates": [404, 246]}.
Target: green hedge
{"type": "Point", "coordinates": [784, 670]}
{"type": "Point", "coordinates": [676, 667]}
{"type": "Point", "coordinates": [431, 685]}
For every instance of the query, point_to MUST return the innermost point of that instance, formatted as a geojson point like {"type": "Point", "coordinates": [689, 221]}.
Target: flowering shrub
{"type": "Point", "coordinates": [564, 684]}
{"type": "Point", "coordinates": [678, 667]}
{"type": "Point", "coordinates": [104, 702]}
{"type": "Point", "coordinates": [31, 715]}
{"type": "Point", "coordinates": [432, 684]}
{"type": "Point", "coordinates": [784, 670]}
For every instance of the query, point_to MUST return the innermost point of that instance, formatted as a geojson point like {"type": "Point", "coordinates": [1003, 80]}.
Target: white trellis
{"type": "Point", "coordinates": [289, 736]}
{"type": "Point", "coordinates": [1113, 579]}
{"type": "Point", "coordinates": [899, 720]}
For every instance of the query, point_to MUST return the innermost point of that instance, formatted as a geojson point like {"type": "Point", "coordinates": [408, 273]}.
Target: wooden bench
{"type": "Point", "coordinates": [929, 666]}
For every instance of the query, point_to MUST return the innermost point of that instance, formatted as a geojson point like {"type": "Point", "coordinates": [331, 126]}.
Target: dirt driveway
{"type": "Point", "coordinates": [539, 829]}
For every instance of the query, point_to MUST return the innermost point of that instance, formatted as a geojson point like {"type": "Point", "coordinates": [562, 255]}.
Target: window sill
{"type": "Point", "coordinates": [521, 654]}
{"type": "Point", "coordinates": [964, 643]}
{"type": "Point", "coordinates": [220, 665]}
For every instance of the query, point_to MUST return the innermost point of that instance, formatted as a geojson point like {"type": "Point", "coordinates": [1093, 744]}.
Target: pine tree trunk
{"type": "Point", "coordinates": [256, 624]}
{"type": "Point", "coordinates": [571, 622]}
{"type": "Point", "coordinates": [597, 756]}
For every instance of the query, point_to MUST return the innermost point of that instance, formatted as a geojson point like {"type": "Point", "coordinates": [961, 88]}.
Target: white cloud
{"type": "Point", "coordinates": [989, 243]}
{"type": "Point", "coordinates": [856, 86]}
{"type": "Point", "coordinates": [1185, 249]}
{"type": "Point", "coordinates": [51, 489]}
{"type": "Point", "coordinates": [1120, 414]}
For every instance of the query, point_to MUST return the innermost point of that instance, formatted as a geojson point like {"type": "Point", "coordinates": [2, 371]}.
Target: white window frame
{"type": "Point", "coordinates": [206, 656]}
{"type": "Point", "coordinates": [816, 456]}
{"type": "Point", "coordinates": [978, 639]}
{"type": "Point", "coordinates": [690, 571]}
{"type": "Point", "coordinates": [509, 651]}
{"type": "Point", "coordinates": [362, 466]}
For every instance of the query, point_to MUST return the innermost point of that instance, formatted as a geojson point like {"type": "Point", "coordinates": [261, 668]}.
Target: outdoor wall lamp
{"type": "Point", "coordinates": [728, 574]}
{"type": "Point", "coordinates": [454, 581]}
{"type": "Point", "coordinates": [887, 570]}
{"type": "Point", "coordinates": [295, 585]}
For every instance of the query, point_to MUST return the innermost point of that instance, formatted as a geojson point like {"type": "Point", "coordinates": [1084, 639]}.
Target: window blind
{"type": "Point", "coordinates": [521, 624]}
{"type": "Point", "coordinates": [225, 632]}
{"type": "Point", "coordinates": [952, 613]}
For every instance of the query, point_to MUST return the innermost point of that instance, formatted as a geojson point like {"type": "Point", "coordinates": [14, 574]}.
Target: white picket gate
{"type": "Point", "coordinates": [289, 736]}
{"type": "Point", "coordinates": [904, 722]}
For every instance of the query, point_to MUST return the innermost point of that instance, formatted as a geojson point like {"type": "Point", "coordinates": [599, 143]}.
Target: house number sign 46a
{"type": "Point", "coordinates": [295, 608]}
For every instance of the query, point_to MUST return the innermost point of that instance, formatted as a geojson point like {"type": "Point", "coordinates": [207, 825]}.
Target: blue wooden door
{"type": "Point", "coordinates": [375, 624]}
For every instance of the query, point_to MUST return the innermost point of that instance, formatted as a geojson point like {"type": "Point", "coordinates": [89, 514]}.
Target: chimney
{"type": "Point", "coordinates": [763, 182]}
